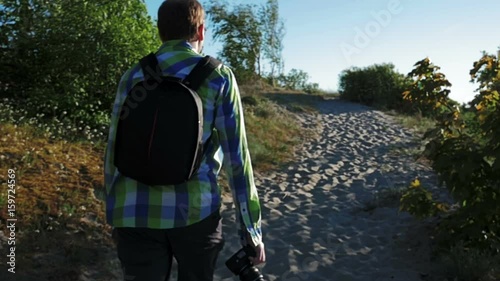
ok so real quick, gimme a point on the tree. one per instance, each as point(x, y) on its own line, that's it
point(240, 33)
point(296, 79)
point(274, 31)
point(251, 36)
point(486, 73)
point(429, 90)
point(69, 55)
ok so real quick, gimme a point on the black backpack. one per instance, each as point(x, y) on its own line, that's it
point(159, 133)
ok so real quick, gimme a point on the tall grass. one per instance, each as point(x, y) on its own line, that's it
point(416, 123)
point(272, 132)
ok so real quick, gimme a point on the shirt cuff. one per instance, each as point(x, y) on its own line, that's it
point(253, 238)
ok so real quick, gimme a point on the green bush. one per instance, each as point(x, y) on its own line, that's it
point(419, 202)
point(312, 88)
point(379, 85)
point(298, 80)
point(55, 127)
point(472, 124)
point(429, 90)
point(68, 56)
point(467, 161)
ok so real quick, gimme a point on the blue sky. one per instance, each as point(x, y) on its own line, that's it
point(324, 37)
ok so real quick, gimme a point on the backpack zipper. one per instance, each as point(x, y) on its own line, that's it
point(152, 135)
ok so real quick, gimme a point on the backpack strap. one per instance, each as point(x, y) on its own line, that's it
point(201, 71)
point(149, 65)
point(194, 80)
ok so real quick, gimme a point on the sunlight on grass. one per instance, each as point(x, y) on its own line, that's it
point(416, 123)
point(55, 204)
point(51, 175)
point(272, 133)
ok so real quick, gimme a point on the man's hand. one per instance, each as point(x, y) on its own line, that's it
point(260, 256)
point(260, 253)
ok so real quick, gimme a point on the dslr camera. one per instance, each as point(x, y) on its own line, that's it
point(240, 265)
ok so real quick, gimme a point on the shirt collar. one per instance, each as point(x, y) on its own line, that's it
point(176, 45)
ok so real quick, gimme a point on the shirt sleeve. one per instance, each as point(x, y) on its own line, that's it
point(109, 167)
point(230, 125)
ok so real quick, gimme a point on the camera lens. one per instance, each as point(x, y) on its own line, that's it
point(251, 273)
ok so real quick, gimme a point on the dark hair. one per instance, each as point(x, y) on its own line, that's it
point(180, 19)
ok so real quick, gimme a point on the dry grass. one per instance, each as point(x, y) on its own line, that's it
point(58, 216)
point(273, 132)
point(296, 101)
point(51, 175)
point(417, 123)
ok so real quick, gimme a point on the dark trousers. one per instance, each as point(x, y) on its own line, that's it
point(146, 254)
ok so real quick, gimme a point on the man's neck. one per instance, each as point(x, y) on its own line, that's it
point(196, 46)
point(182, 44)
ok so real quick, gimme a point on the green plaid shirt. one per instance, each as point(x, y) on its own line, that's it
point(132, 204)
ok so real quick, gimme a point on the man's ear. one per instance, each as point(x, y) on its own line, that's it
point(201, 32)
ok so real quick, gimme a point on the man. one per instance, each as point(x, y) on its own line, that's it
point(153, 224)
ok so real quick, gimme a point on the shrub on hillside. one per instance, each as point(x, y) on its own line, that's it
point(467, 162)
point(379, 85)
point(298, 80)
point(68, 56)
point(429, 90)
point(472, 123)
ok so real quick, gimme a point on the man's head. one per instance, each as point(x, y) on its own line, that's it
point(182, 19)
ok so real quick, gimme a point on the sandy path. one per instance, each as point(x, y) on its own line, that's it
point(321, 216)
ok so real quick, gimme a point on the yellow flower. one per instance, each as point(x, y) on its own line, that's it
point(415, 183)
